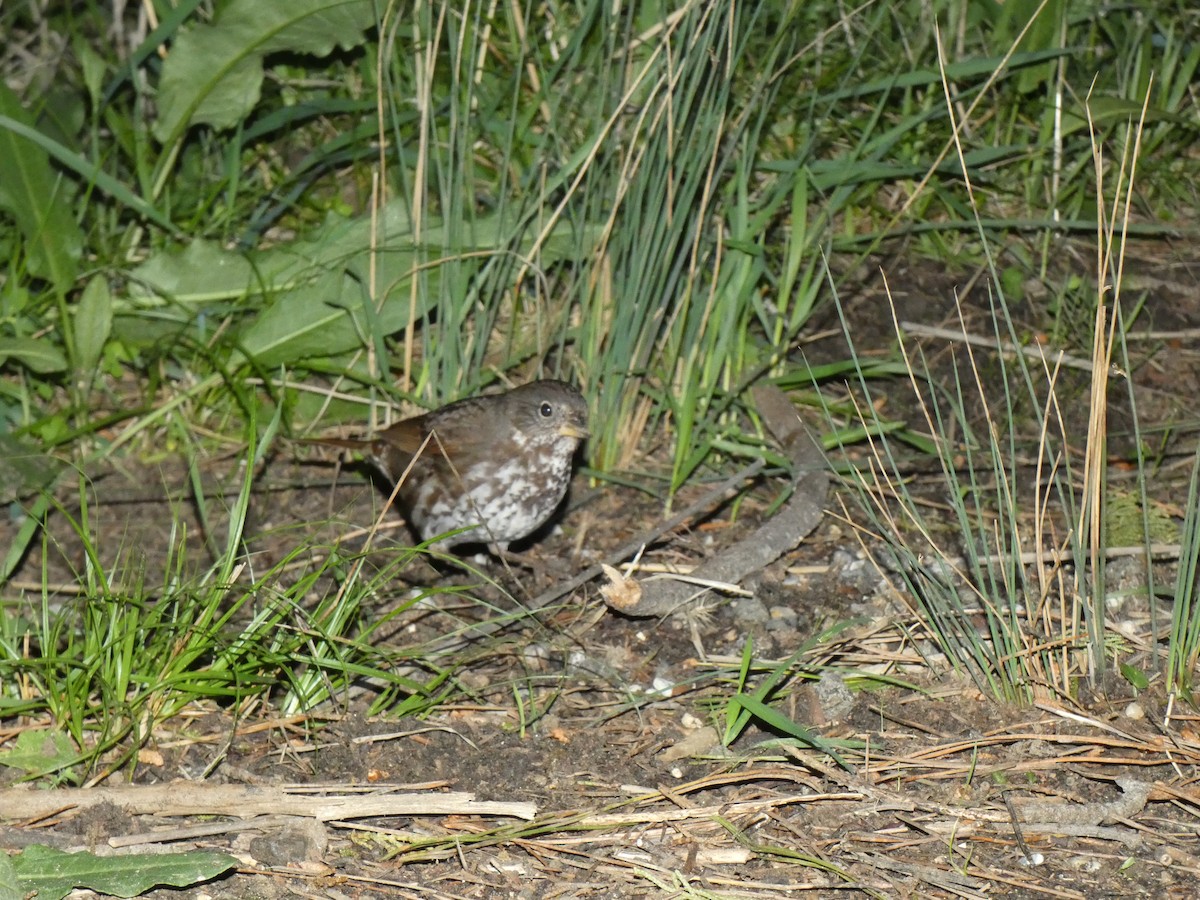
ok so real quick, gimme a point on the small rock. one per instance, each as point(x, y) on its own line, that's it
point(749, 610)
point(833, 695)
point(293, 845)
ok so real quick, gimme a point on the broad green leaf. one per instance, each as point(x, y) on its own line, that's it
point(201, 273)
point(26, 531)
point(34, 194)
point(36, 354)
point(213, 74)
point(316, 320)
point(55, 873)
point(315, 289)
point(39, 750)
point(170, 21)
point(10, 888)
point(329, 317)
point(93, 324)
point(204, 273)
point(92, 66)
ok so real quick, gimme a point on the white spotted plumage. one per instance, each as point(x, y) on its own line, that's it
point(531, 435)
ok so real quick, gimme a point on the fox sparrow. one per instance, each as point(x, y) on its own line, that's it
point(497, 466)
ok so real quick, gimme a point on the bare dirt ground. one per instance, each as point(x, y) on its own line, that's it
point(607, 731)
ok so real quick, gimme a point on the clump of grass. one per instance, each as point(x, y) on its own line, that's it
point(121, 656)
point(1016, 595)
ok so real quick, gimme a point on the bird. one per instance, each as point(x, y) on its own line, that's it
point(490, 469)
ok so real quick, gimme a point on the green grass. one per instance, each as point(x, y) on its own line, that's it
point(231, 226)
point(120, 656)
point(1016, 596)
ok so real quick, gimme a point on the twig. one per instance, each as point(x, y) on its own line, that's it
point(781, 533)
point(1053, 357)
point(195, 798)
point(1016, 827)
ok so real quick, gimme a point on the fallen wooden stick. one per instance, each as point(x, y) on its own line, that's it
point(781, 533)
point(190, 798)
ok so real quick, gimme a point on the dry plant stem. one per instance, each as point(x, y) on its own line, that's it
point(884, 484)
point(1037, 816)
point(1020, 838)
point(786, 529)
point(1037, 352)
point(1063, 554)
point(953, 883)
point(1091, 511)
point(1103, 342)
point(196, 832)
point(185, 798)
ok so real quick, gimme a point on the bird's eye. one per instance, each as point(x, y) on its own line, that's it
point(546, 410)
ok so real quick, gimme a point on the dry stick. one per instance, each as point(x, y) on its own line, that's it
point(1054, 357)
point(1012, 815)
point(775, 537)
point(192, 798)
point(196, 832)
point(716, 495)
point(1181, 335)
point(1051, 555)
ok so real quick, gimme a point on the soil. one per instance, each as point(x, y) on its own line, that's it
point(884, 771)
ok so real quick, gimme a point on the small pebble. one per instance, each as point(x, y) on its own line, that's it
point(662, 686)
point(833, 695)
point(535, 653)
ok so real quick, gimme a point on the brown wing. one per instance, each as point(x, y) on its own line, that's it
point(451, 431)
point(457, 426)
point(404, 437)
point(399, 443)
